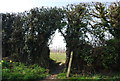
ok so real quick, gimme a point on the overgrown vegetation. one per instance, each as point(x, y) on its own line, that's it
point(91, 31)
point(28, 34)
point(92, 77)
point(16, 71)
point(88, 28)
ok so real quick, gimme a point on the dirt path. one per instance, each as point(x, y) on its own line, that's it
point(55, 72)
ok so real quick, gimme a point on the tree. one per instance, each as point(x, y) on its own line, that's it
point(107, 18)
point(75, 31)
point(28, 34)
point(41, 23)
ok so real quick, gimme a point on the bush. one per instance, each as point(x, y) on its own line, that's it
point(19, 71)
point(111, 54)
point(109, 57)
point(102, 58)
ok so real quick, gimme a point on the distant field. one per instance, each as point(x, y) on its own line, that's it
point(58, 57)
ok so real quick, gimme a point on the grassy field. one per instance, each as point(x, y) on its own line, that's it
point(58, 57)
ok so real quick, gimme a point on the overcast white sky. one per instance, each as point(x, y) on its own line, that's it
point(22, 5)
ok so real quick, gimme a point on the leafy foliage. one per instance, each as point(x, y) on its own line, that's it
point(108, 17)
point(75, 29)
point(91, 32)
point(19, 71)
point(28, 34)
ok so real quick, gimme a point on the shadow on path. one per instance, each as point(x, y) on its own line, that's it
point(55, 70)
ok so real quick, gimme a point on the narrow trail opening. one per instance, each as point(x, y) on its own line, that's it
point(55, 71)
point(57, 56)
point(57, 65)
point(58, 69)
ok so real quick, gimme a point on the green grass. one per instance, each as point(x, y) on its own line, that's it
point(92, 77)
point(58, 57)
point(16, 71)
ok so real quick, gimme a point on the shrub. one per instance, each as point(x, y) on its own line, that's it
point(108, 56)
point(102, 58)
point(111, 54)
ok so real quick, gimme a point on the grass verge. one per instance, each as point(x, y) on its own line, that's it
point(95, 77)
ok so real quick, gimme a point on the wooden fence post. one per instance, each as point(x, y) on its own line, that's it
point(69, 65)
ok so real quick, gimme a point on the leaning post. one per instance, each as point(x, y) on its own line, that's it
point(69, 65)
